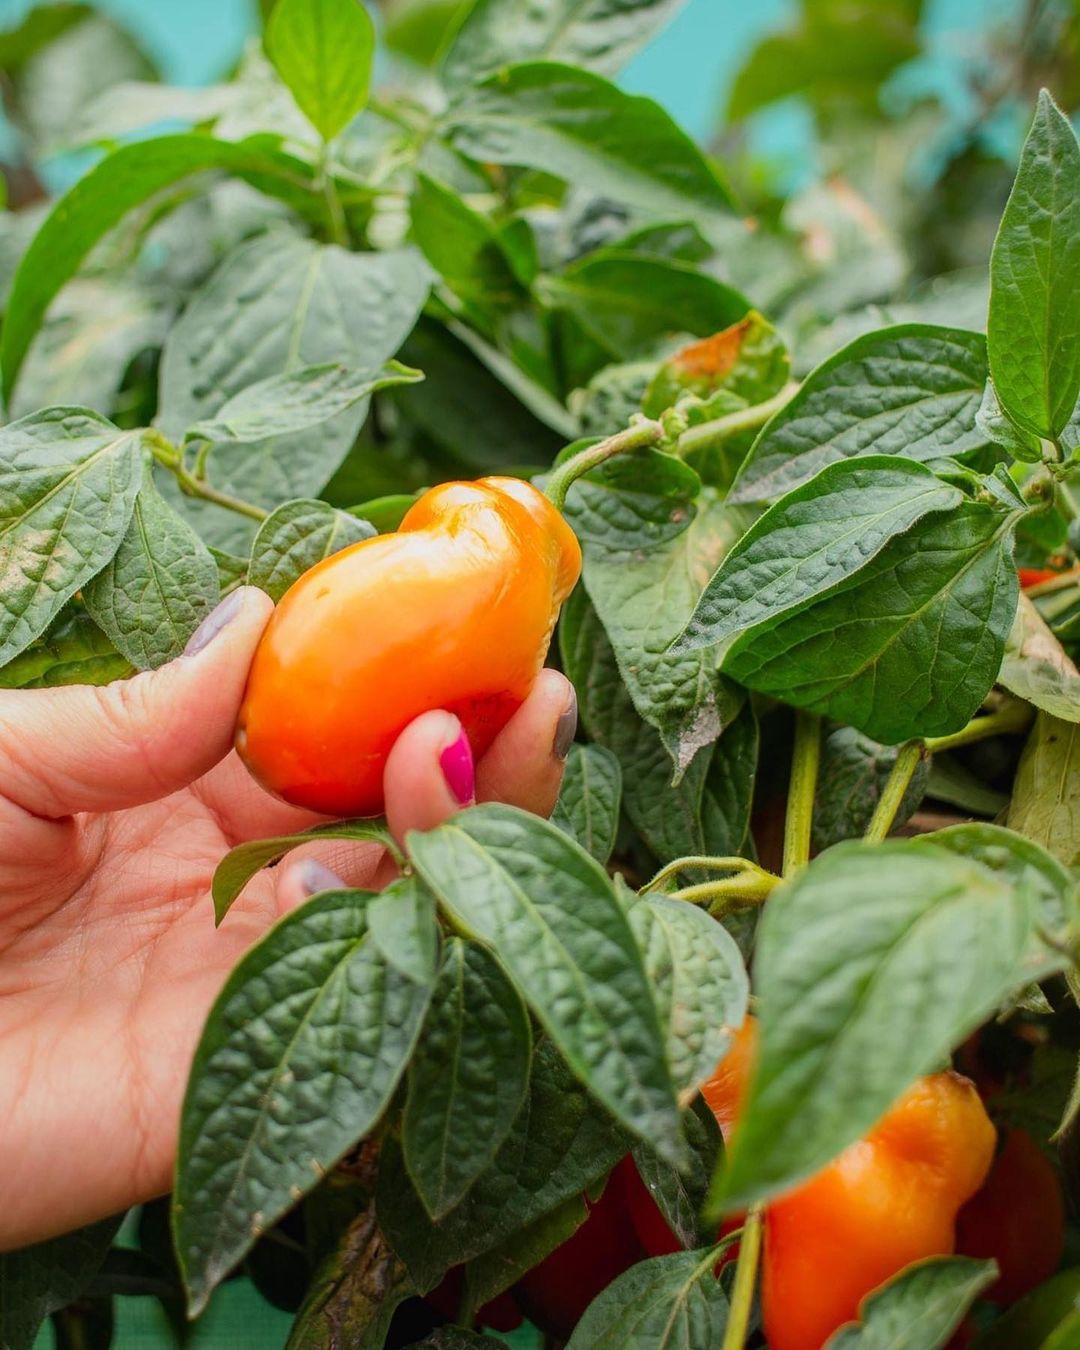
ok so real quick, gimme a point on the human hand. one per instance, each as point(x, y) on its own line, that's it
point(116, 805)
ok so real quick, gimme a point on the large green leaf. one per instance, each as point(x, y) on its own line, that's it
point(1033, 330)
point(297, 535)
point(68, 482)
point(815, 537)
point(274, 306)
point(582, 128)
point(699, 982)
point(285, 404)
point(72, 650)
point(589, 799)
point(160, 585)
point(1045, 805)
point(871, 966)
point(650, 542)
point(913, 390)
point(908, 646)
point(549, 913)
point(920, 1308)
point(463, 246)
point(468, 1078)
point(708, 811)
point(298, 1059)
point(323, 50)
point(560, 1145)
point(597, 34)
point(629, 302)
point(669, 1303)
point(100, 200)
point(38, 1280)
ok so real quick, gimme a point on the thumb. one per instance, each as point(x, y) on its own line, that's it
point(85, 748)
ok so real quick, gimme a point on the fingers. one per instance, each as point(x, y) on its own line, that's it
point(429, 774)
point(97, 749)
point(524, 766)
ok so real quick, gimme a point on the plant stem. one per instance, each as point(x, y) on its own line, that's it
point(639, 436)
point(746, 419)
point(334, 214)
point(742, 1294)
point(170, 458)
point(702, 862)
point(1015, 717)
point(896, 785)
point(729, 892)
point(805, 760)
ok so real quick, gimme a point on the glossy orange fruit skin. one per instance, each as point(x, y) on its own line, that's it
point(455, 610)
point(887, 1200)
point(1017, 1217)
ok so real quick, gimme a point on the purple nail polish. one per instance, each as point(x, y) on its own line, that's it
point(566, 727)
point(214, 622)
point(313, 877)
point(456, 762)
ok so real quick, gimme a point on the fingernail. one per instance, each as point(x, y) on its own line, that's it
point(456, 762)
point(214, 622)
point(566, 727)
point(313, 877)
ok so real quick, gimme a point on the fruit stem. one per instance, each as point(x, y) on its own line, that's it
point(1015, 717)
point(640, 435)
point(746, 419)
point(703, 862)
point(730, 892)
point(907, 760)
point(805, 761)
point(742, 1294)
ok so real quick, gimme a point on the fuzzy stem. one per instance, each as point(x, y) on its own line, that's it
point(746, 419)
point(805, 760)
point(1014, 718)
point(639, 436)
point(742, 1294)
point(896, 785)
point(702, 862)
point(170, 458)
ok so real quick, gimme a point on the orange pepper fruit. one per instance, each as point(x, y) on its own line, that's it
point(455, 610)
point(1017, 1217)
point(1035, 576)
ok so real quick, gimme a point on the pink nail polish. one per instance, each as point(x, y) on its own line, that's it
point(456, 762)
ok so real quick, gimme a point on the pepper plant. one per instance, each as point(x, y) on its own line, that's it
point(828, 760)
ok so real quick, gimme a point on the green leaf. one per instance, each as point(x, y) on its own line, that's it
point(920, 1308)
point(628, 302)
point(404, 927)
point(298, 1059)
point(1045, 804)
point(550, 915)
point(996, 426)
point(297, 535)
point(818, 535)
point(854, 771)
point(583, 129)
point(913, 390)
point(699, 982)
point(468, 1078)
point(323, 50)
point(589, 800)
point(284, 404)
point(68, 481)
point(1033, 330)
point(494, 1271)
point(650, 542)
point(1036, 1316)
point(463, 246)
point(73, 650)
point(126, 178)
point(681, 1195)
point(592, 33)
point(1037, 668)
point(560, 1145)
point(1021, 863)
point(908, 646)
point(160, 585)
point(871, 966)
point(37, 1281)
point(708, 811)
point(834, 52)
point(238, 866)
point(278, 304)
point(669, 1303)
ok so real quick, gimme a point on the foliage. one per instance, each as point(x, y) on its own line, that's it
point(315, 298)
